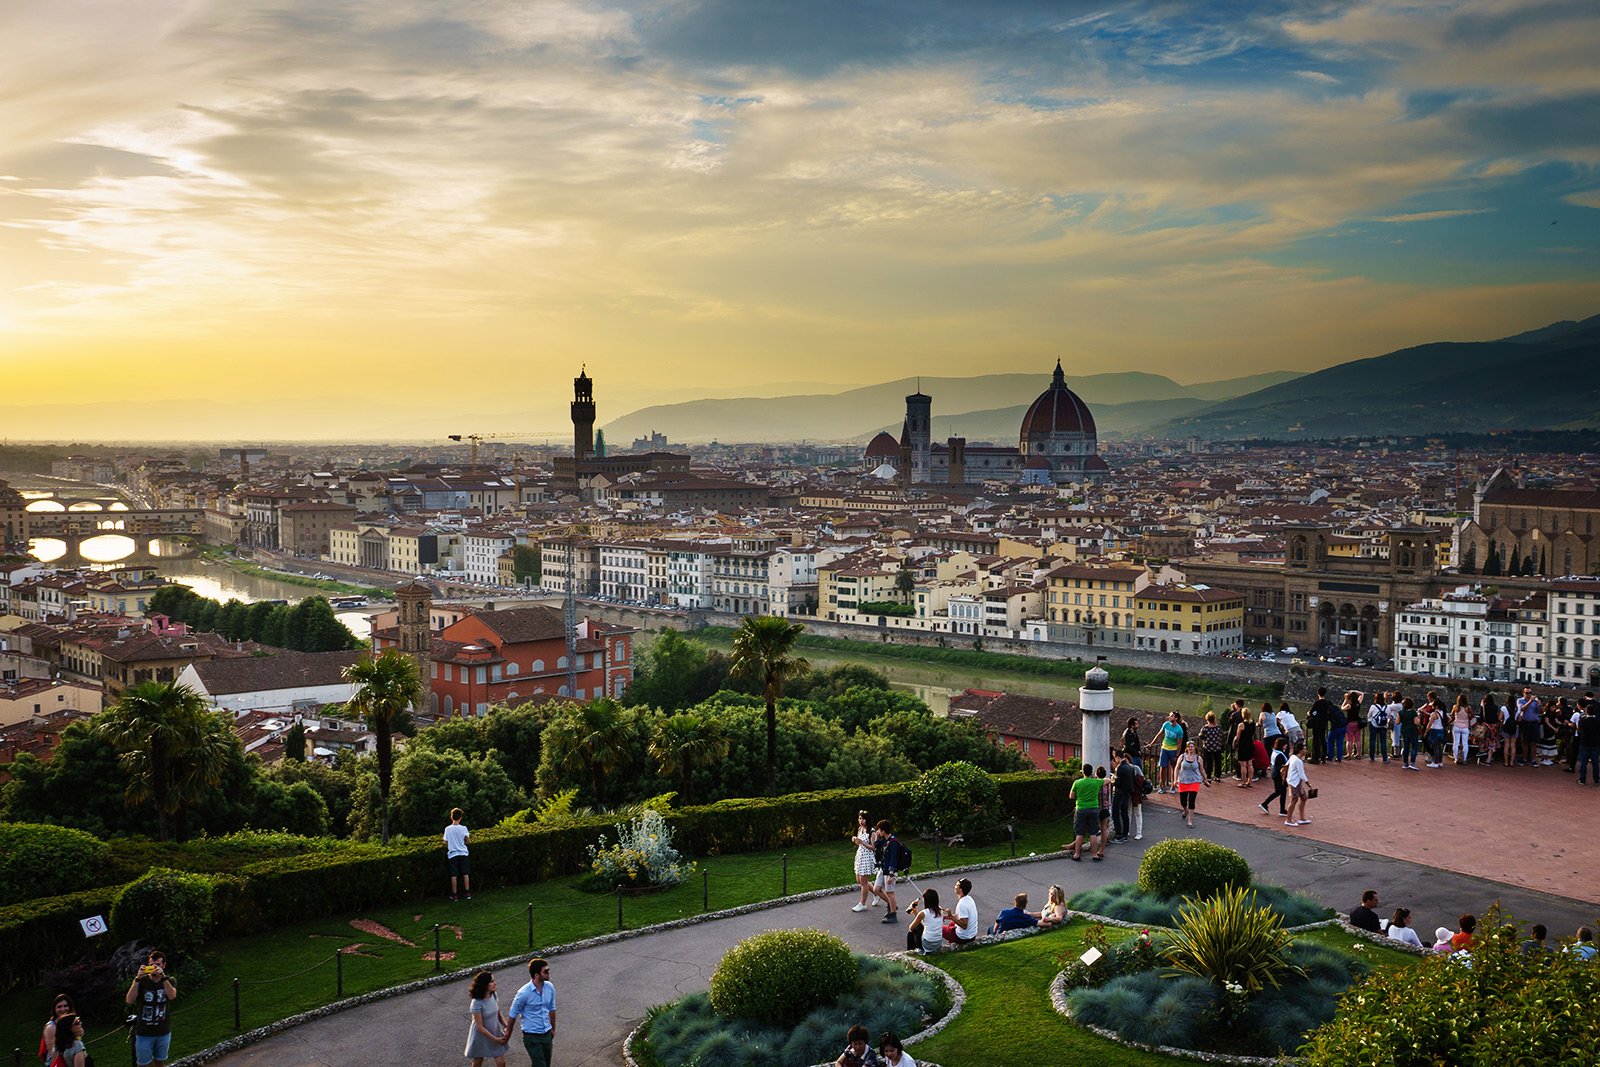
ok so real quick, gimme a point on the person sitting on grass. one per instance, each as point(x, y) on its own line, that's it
point(1055, 908)
point(1400, 928)
point(1016, 917)
point(893, 1052)
point(856, 1049)
point(926, 929)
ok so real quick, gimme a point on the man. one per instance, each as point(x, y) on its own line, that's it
point(1173, 735)
point(1364, 916)
point(1378, 727)
point(1583, 948)
point(1015, 917)
point(855, 1045)
point(1086, 816)
point(1535, 945)
point(1530, 723)
point(1392, 710)
point(151, 995)
point(889, 861)
point(535, 1007)
point(456, 837)
point(1318, 718)
point(1124, 781)
point(961, 925)
point(1588, 742)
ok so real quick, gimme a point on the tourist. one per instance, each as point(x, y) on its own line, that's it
point(1267, 729)
point(1530, 717)
point(1441, 940)
point(456, 837)
point(534, 1007)
point(1400, 928)
point(1173, 734)
point(1488, 726)
point(1299, 787)
point(1362, 916)
point(1508, 734)
point(1211, 742)
point(1408, 735)
point(151, 996)
point(68, 1051)
point(1356, 721)
point(1016, 917)
point(1124, 786)
point(1130, 740)
point(855, 1045)
point(1463, 937)
point(62, 1005)
point(1460, 730)
point(1588, 741)
point(1338, 722)
point(1141, 790)
point(1105, 806)
point(1190, 775)
point(487, 1025)
point(1583, 947)
point(1378, 728)
point(1244, 751)
point(926, 929)
point(893, 1052)
point(1054, 912)
point(1317, 718)
point(889, 854)
point(961, 925)
point(1086, 816)
point(866, 864)
point(1432, 715)
point(1289, 724)
point(1535, 944)
point(1280, 782)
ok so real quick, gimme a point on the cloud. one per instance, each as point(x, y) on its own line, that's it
point(1317, 76)
point(1432, 216)
point(1587, 198)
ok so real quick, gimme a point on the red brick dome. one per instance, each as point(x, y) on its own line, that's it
point(883, 446)
point(1057, 411)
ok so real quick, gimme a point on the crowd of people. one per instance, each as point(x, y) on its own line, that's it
point(1397, 927)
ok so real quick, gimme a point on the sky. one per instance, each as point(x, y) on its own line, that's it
point(290, 212)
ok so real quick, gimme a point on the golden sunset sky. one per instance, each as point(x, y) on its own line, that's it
point(289, 208)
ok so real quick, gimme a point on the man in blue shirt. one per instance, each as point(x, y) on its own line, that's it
point(1015, 918)
point(535, 1006)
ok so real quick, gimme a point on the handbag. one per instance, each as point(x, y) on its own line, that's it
point(1311, 794)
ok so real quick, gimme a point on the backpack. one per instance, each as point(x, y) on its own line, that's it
point(897, 856)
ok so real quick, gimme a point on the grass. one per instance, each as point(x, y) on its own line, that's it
point(292, 969)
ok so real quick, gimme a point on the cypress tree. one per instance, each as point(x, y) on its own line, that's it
point(1491, 565)
point(1469, 561)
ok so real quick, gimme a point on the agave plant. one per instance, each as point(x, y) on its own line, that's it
point(1231, 940)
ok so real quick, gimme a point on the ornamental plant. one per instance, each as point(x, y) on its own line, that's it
point(1190, 867)
point(1231, 940)
point(779, 976)
point(642, 856)
point(957, 798)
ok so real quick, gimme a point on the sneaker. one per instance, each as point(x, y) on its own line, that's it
point(1547, 763)
point(1138, 837)
point(887, 918)
point(469, 896)
point(454, 897)
point(859, 907)
point(1263, 808)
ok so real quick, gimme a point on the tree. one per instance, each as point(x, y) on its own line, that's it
point(525, 563)
point(1491, 563)
point(1515, 566)
point(154, 727)
point(386, 689)
point(600, 444)
point(761, 651)
point(1469, 560)
point(905, 583)
point(294, 743)
point(682, 742)
point(427, 784)
point(591, 737)
point(256, 620)
point(669, 675)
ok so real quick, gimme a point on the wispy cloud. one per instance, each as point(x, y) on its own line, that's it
point(1433, 216)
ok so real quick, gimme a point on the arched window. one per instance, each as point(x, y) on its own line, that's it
point(562, 691)
point(561, 663)
point(449, 705)
point(538, 666)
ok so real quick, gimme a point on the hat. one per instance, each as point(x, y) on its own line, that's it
point(1442, 934)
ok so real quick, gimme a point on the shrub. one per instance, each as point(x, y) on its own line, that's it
point(1189, 867)
point(1125, 901)
point(642, 856)
point(778, 976)
point(165, 908)
point(1231, 940)
point(38, 860)
point(957, 798)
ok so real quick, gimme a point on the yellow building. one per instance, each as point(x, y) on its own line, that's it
point(1192, 620)
point(1092, 602)
point(849, 583)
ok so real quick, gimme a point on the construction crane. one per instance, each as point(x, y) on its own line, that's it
point(474, 438)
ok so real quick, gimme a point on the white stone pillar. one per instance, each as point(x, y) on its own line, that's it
point(1095, 700)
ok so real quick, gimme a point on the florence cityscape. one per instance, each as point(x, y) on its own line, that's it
point(640, 498)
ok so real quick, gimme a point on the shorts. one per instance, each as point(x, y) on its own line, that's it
point(1302, 791)
point(1529, 732)
point(885, 880)
point(1169, 757)
point(150, 1047)
point(459, 867)
point(1086, 823)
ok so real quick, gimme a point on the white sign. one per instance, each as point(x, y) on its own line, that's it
point(1089, 957)
point(93, 926)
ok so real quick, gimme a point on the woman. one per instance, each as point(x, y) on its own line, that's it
point(1190, 775)
point(866, 861)
point(893, 1053)
point(1408, 734)
point(1299, 786)
point(1130, 740)
point(69, 1051)
point(1357, 720)
point(1054, 912)
point(1140, 787)
point(1433, 720)
point(1244, 750)
point(926, 929)
point(1400, 928)
point(1338, 722)
point(1280, 783)
point(1460, 731)
point(1211, 740)
point(1267, 728)
point(1290, 725)
point(62, 1005)
point(488, 1026)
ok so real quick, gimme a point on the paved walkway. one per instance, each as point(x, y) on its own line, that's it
point(604, 991)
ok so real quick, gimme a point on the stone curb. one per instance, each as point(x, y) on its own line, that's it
point(250, 1037)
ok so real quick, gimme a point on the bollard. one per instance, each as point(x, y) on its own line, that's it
point(705, 890)
point(785, 874)
point(437, 962)
point(16, 1057)
point(619, 907)
point(236, 1004)
point(1013, 828)
point(338, 974)
point(530, 924)
point(938, 864)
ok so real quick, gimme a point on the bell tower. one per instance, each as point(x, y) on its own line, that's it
point(415, 604)
point(582, 415)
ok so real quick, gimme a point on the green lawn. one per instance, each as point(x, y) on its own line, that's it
point(292, 969)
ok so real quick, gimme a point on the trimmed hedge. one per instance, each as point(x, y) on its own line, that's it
point(779, 976)
point(1191, 867)
point(38, 860)
point(43, 935)
point(165, 908)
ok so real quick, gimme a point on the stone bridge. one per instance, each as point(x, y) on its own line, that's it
point(141, 526)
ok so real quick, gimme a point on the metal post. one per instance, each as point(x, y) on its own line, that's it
point(1013, 828)
point(530, 924)
point(236, 1004)
point(705, 890)
point(938, 864)
point(437, 962)
point(338, 971)
point(619, 907)
point(785, 874)
point(16, 1057)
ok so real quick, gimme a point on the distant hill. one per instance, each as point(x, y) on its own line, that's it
point(1543, 379)
point(986, 407)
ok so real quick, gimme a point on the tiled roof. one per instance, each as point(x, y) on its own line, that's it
point(286, 670)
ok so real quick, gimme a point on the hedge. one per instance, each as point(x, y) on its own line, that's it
point(257, 894)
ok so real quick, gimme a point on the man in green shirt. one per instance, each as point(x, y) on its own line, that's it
point(1086, 817)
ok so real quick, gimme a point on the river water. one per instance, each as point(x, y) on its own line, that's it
point(221, 582)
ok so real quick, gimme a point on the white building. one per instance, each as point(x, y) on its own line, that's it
point(740, 580)
point(690, 567)
point(1575, 631)
point(480, 554)
point(966, 614)
point(1462, 635)
point(282, 683)
point(1533, 637)
point(625, 570)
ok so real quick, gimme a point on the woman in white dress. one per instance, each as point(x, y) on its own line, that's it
point(866, 861)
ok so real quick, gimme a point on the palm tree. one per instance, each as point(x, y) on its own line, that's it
point(386, 688)
point(590, 735)
point(680, 743)
point(155, 726)
point(761, 652)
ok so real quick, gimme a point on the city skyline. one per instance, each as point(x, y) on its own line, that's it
point(422, 204)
